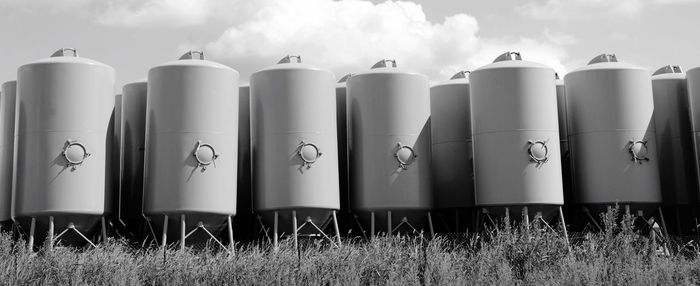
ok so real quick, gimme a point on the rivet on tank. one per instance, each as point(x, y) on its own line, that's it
point(389, 143)
point(613, 141)
point(7, 140)
point(295, 149)
point(132, 147)
point(515, 129)
point(191, 150)
point(452, 157)
point(64, 105)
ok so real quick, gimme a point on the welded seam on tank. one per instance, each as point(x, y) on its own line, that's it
point(612, 131)
point(453, 141)
point(515, 130)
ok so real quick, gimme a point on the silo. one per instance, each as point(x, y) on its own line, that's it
point(564, 141)
point(191, 147)
point(612, 136)
point(517, 161)
point(674, 141)
point(451, 149)
point(389, 142)
point(64, 104)
point(7, 140)
point(345, 220)
point(295, 151)
point(245, 221)
point(133, 145)
point(114, 163)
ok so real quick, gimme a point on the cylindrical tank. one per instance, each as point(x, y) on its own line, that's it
point(693, 90)
point(674, 141)
point(191, 143)
point(245, 220)
point(515, 129)
point(389, 142)
point(7, 140)
point(113, 160)
point(611, 134)
point(64, 104)
point(133, 131)
point(341, 122)
point(293, 137)
point(564, 140)
point(451, 149)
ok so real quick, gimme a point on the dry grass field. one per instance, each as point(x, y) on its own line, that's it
point(620, 255)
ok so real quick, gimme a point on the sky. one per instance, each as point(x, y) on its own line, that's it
point(434, 37)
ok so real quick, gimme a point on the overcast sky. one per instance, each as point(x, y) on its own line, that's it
point(435, 37)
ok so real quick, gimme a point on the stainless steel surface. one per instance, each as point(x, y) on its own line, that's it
point(515, 131)
point(451, 143)
point(133, 130)
point(611, 133)
point(7, 140)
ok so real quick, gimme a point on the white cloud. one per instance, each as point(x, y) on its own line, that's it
point(587, 9)
point(350, 35)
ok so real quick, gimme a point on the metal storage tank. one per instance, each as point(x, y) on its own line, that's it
point(564, 141)
point(389, 142)
point(295, 151)
point(517, 161)
point(133, 137)
point(64, 104)
point(451, 149)
point(345, 220)
point(245, 221)
point(7, 140)
point(674, 141)
point(612, 135)
point(114, 162)
point(191, 147)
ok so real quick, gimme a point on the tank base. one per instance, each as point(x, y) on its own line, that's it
point(314, 222)
point(197, 229)
point(548, 216)
point(682, 220)
point(390, 222)
point(62, 229)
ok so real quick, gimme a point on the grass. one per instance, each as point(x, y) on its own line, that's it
point(505, 256)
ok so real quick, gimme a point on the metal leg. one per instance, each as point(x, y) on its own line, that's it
point(430, 224)
point(183, 225)
point(164, 237)
point(337, 229)
point(388, 220)
point(231, 243)
point(371, 223)
point(32, 228)
point(275, 246)
point(49, 241)
point(526, 218)
point(563, 228)
point(295, 230)
point(104, 229)
point(588, 213)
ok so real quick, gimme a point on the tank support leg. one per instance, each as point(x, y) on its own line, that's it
point(371, 225)
point(231, 244)
point(526, 218)
point(183, 224)
point(104, 229)
point(388, 221)
point(588, 213)
point(665, 229)
point(32, 228)
point(49, 240)
point(295, 230)
point(337, 229)
point(507, 218)
point(275, 246)
point(164, 237)
point(430, 224)
point(563, 228)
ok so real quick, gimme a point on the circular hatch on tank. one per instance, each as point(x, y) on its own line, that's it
point(538, 151)
point(405, 155)
point(205, 154)
point(75, 153)
point(639, 150)
point(309, 153)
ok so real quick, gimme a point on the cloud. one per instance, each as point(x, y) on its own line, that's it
point(349, 36)
point(587, 9)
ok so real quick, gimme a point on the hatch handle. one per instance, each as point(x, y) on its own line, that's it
point(193, 55)
point(461, 74)
point(538, 151)
point(638, 150)
point(205, 154)
point(75, 153)
point(309, 153)
point(602, 58)
point(509, 56)
point(668, 69)
point(384, 63)
point(405, 155)
point(288, 59)
point(65, 52)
